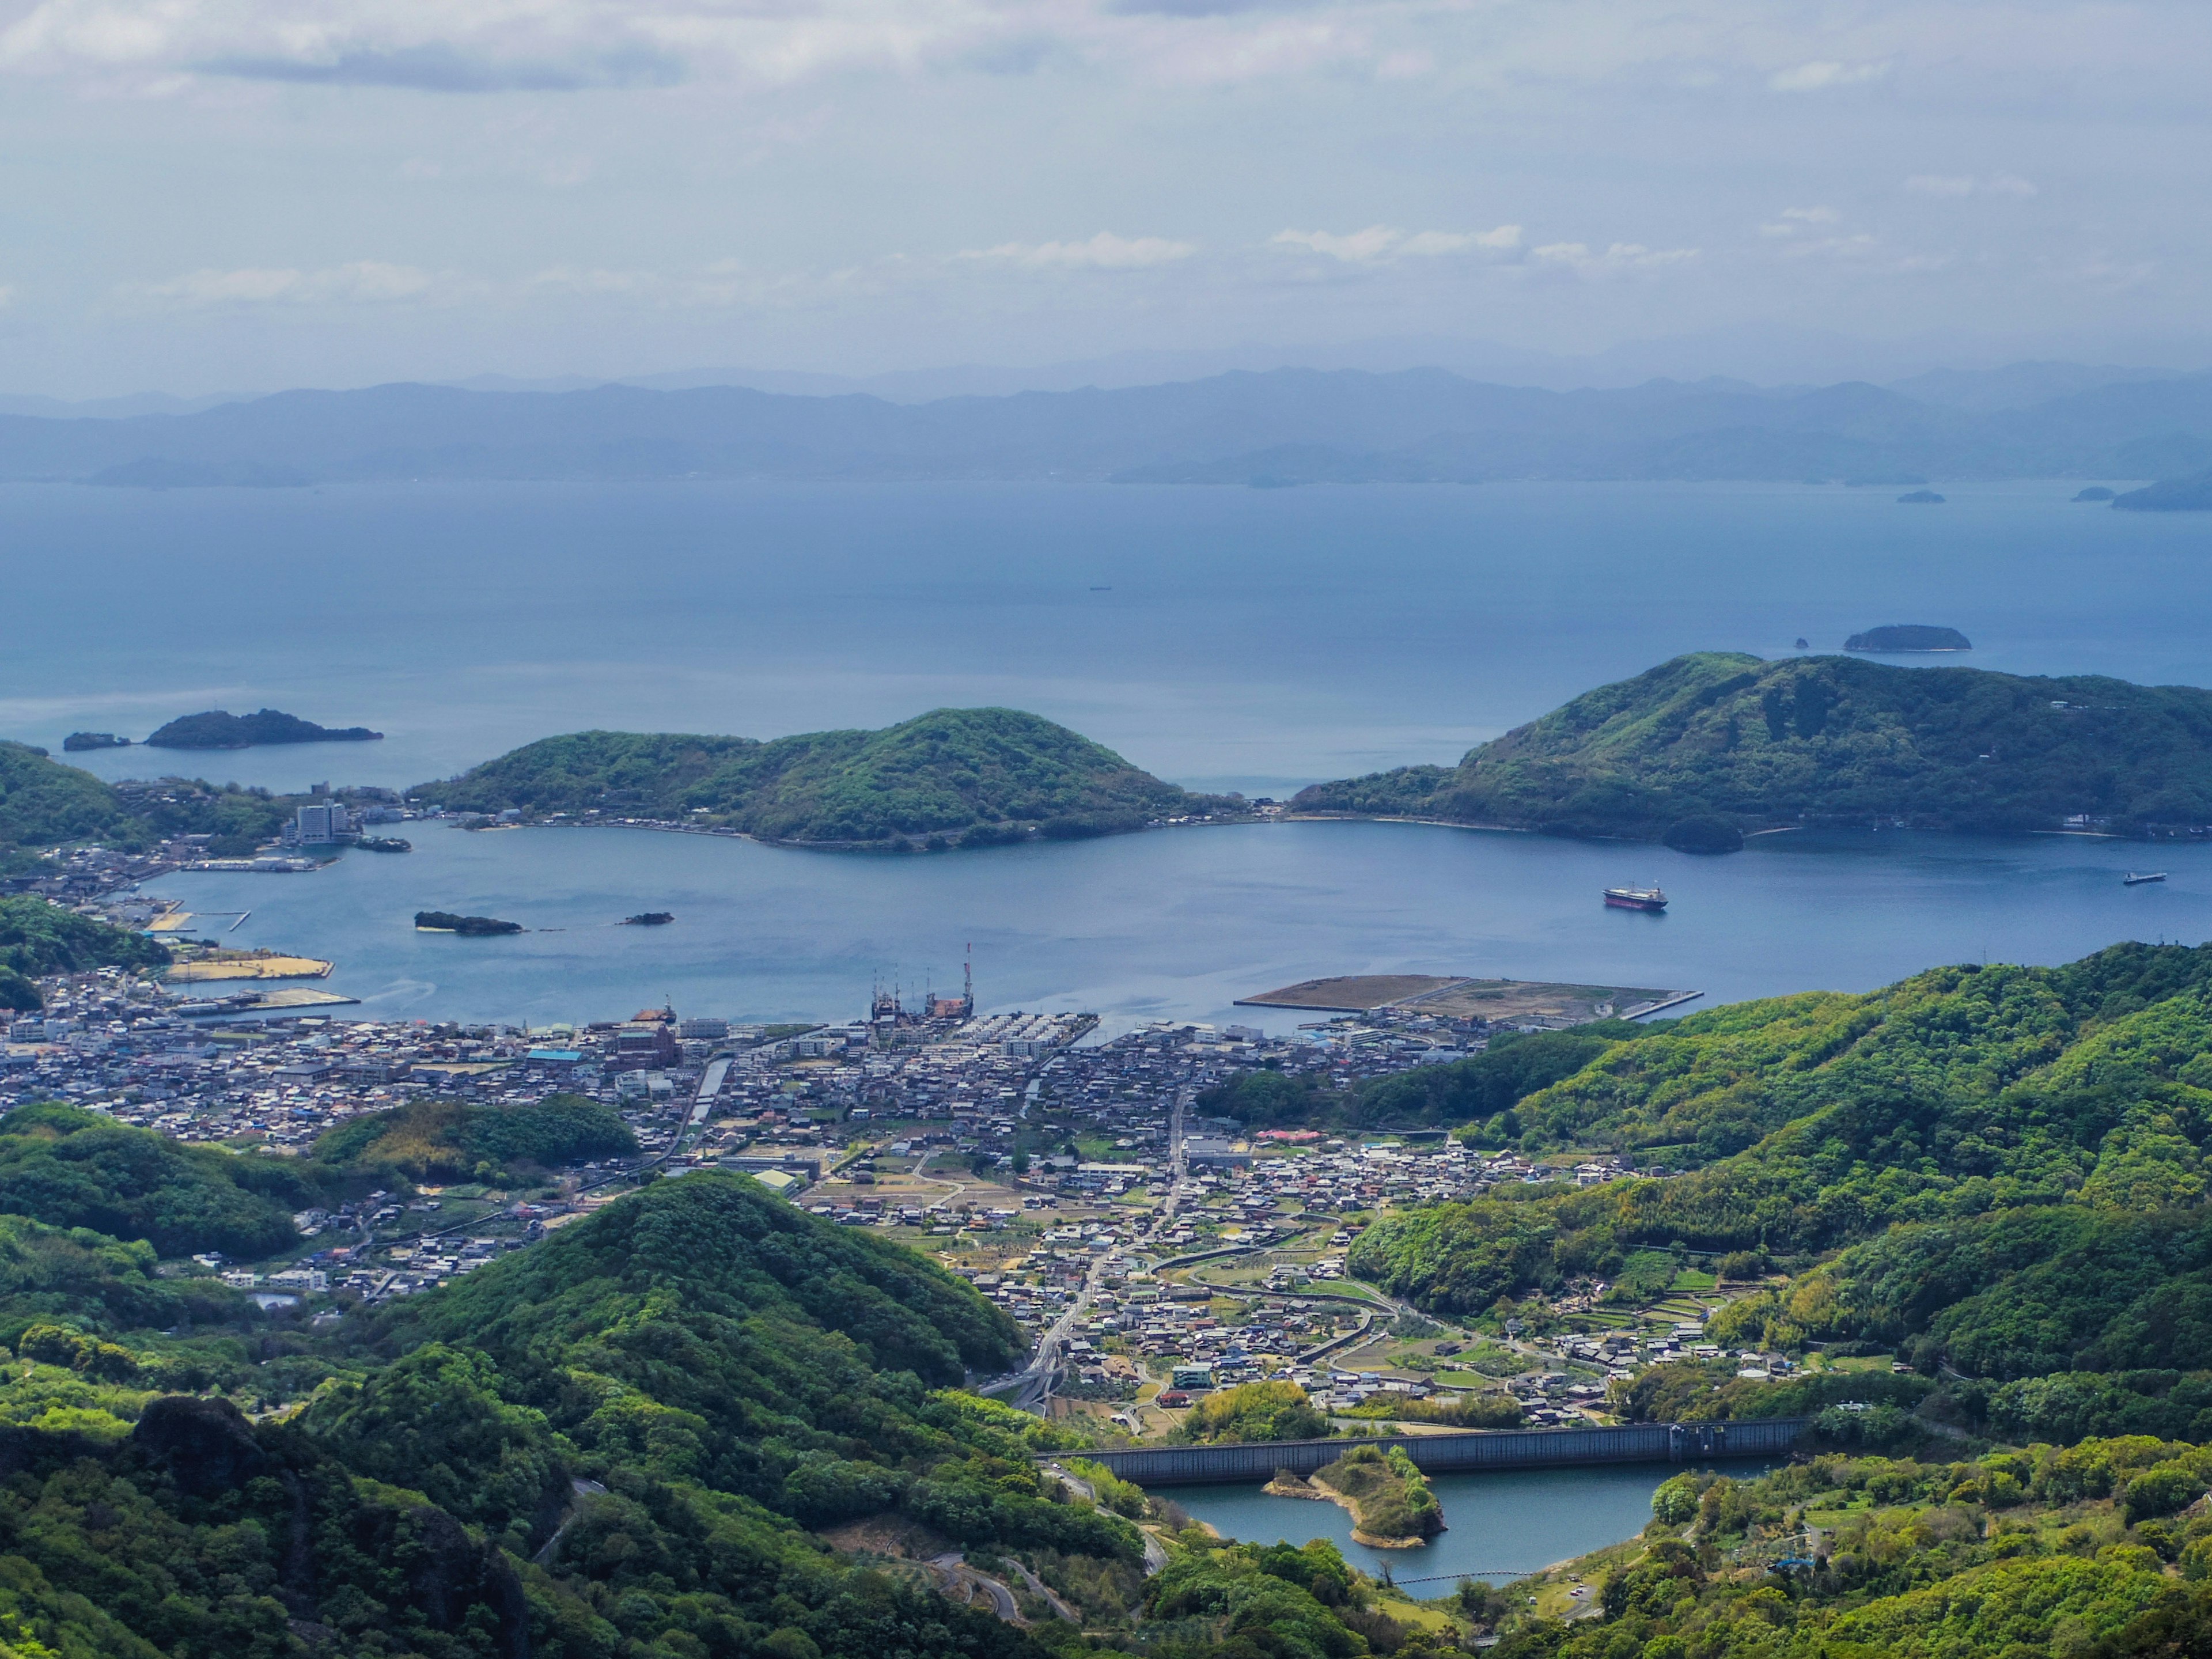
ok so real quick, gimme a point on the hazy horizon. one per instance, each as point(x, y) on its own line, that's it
point(243, 196)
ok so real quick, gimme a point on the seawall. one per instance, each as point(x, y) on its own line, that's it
point(1456, 1454)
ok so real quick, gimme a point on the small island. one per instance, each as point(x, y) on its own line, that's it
point(1909, 636)
point(1920, 498)
point(220, 729)
point(1392, 1506)
point(2096, 493)
point(77, 742)
point(445, 921)
point(384, 844)
point(648, 918)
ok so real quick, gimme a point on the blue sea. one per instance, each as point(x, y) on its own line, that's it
point(1222, 638)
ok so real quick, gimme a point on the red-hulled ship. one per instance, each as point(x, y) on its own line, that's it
point(1635, 898)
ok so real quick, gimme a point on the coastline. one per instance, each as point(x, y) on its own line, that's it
point(1316, 1489)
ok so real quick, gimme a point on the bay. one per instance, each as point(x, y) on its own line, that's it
point(1175, 923)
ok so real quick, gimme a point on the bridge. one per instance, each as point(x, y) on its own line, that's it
point(1459, 1454)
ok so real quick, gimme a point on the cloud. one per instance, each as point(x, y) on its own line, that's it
point(1379, 243)
point(438, 66)
point(366, 281)
point(1104, 251)
point(6, 296)
point(1794, 220)
point(1813, 77)
point(1945, 184)
point(1620, 256)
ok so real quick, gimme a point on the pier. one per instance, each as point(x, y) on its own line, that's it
point(1459, 1454)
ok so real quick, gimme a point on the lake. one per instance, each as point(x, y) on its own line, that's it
point(1497, 1524)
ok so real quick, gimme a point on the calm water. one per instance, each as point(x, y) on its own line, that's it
point(1224, 638)
point(1176, 923)
point(1497, 1524)
point(1258, 639)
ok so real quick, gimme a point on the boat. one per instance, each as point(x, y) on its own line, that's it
point(2132, 879)
point(1635, 898)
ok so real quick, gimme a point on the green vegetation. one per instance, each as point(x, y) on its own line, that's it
point(1472, 1411)
point(1254, 1411)
point(2068, 1552)
point(972, 775)
point(446, 922)
point(1389, 1496)
point(1514, 1065)
point(74, 1169)
point(1997, 1170)
point(220, 729)
point(1720, 738)
point(45, 804)
point(37, 939)
point(1271, 1602)
point(449, 1140)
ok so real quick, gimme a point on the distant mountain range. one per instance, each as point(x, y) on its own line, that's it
point(1284, 427)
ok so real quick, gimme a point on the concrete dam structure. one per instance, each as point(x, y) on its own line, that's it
point(1459, 1454)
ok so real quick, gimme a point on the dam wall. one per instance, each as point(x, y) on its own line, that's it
point(1458, 1454)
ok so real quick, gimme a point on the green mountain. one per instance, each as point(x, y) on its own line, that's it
point(1723, 741)
point(451, 1140)
point(974, 775)
point(2000, 1170)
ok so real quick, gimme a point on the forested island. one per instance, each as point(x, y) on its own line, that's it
point(1723, 742)
point(220, 729)
point(1391, 1503)
point(78, 743)
point(1909, 636)
point(953, 777)
point(446, 922)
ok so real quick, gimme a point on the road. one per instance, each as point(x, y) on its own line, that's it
point(959, 1575)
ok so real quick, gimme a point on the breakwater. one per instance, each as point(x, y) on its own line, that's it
point(1456, 1454)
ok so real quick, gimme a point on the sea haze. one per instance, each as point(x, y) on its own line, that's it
point(1221, 638)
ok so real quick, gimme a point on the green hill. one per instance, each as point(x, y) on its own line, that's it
point(1806, 739)
point(37, 939)
point(44, 803)
point(977, 775)
point(450, 1140)
point(2001, 1170)
point(69, 1167)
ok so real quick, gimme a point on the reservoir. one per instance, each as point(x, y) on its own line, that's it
point(1512, 1521)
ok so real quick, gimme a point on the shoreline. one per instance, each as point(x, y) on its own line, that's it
point(1319, 1491)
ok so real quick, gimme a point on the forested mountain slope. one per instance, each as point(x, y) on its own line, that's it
point(984, 773)
point(1723, 737)
point(2008, 1165)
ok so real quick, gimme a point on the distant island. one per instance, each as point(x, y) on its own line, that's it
point(955, 777)
point(1909, 636)
point(445, 921)
point(220, 729)
point(2096, 493)
point(77, 742)
point(648, 918)
point(1920, 498)
point(1719, 740)
point(2190, 495)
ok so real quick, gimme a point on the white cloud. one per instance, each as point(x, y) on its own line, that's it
point(1378, 243)
point(1104, 251)
point(1812, 77)
point(6, 296)
point(1620, 256)
point(365, 282)
point(1794, 220)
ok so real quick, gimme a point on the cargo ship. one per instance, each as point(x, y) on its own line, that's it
point(2132, 879)
point(1635, 898)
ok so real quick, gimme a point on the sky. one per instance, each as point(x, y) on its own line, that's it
point(239, 195)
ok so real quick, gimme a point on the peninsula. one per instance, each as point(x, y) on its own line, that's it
point(963, 777)
point(220, 729)
point(1392, 1506)
point(1722, 740)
